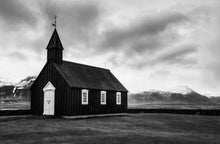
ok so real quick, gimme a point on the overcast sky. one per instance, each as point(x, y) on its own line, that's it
point(147, 44)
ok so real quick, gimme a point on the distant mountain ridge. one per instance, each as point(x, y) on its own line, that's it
point(178, 95)
point(25, 83)
point(17, 91)
point(184, 95)
point(215, 99)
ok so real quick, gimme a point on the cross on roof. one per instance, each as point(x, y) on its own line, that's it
point(55, 21)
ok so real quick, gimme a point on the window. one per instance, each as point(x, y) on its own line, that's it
point(85, 96)
point(118, 98)
point(103, 97)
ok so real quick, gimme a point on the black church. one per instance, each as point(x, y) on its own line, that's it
point(69, 88)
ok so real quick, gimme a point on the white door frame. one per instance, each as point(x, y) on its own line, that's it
point(49, 99)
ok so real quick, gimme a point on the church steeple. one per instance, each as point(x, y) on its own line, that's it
point(55, 48)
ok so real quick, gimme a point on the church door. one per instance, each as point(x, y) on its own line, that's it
point(49, 100)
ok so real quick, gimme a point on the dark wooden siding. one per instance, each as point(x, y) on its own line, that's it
point(94, 105)
point(54, 55)
point(62, 91)
point(68, 100)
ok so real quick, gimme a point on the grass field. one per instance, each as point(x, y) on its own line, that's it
point(21, 105)
point(131, 129)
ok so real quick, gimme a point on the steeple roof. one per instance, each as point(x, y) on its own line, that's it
point(55, 41)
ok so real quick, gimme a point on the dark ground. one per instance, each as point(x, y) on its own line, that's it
point(131, 129)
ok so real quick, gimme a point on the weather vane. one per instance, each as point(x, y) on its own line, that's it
point(55, 21)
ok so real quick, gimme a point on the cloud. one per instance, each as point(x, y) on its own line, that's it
point(17, 56)
point(76, 19)
point(149, 41)
point(143, 34)
point(178, 55)
point(77, 23)
point(183, 55)
point(14, 14)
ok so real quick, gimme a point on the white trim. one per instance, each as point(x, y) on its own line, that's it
point(118, 98)
point(103, 97)
point(49, 86)
point(49, 99)
point(86, 92)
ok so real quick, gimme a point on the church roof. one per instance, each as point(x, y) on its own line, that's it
point(55, 41)
point(84, 76)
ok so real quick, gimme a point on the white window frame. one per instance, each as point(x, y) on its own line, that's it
point(87, 97)
point(103, 93)
point(118, 98)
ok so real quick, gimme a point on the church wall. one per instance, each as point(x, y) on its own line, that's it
point(94, 105)
point(62, 91)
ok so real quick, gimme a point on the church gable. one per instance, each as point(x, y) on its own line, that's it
point(48, 73)
point(49, 86)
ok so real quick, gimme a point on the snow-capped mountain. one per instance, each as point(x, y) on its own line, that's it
point(177, 95)
point(16, 91)
point(25, 83)
point(215, 99)
point(180, 95)
point(183, 89)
